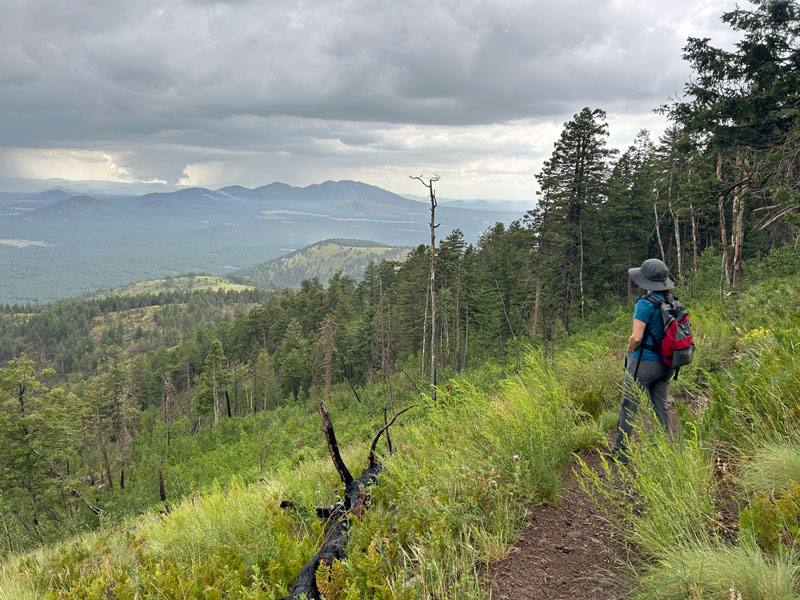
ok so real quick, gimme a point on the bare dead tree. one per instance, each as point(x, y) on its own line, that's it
point(658, 226)
point(124, 438)
point(381, 349)
point(425, 325)
point(725, 276)
point(430, 181)
point(323, 353)
point(8, 533)
point(168, 392)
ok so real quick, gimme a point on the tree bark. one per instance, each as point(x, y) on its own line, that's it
point(725, 276)
point(161, 492)
point(433, 295)
point(235, 391)
point(255, 387)
point(189, 391)
point(446, 360)
point(457, 321)
point(466, 335)
point(8, 533)
point(86, 454)
point(537, 298)
point(737, 232)
point(216, 394)
point(101, 441)
point(658, 227)
point(676, 226)
point(433, 225)
point(580, 274)
point(425, 325)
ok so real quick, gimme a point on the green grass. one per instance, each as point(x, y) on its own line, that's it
point(772, 467)
point(181, 283)
point(721, 573)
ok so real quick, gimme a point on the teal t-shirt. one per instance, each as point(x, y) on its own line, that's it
point(649, 313)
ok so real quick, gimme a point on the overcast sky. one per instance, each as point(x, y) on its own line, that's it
point(198, 92)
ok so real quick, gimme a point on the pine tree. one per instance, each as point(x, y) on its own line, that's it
point(573, 185)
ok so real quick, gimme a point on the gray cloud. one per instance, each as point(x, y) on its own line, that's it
point(165, 85)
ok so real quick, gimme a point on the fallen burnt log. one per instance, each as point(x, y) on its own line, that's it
point(353, 502)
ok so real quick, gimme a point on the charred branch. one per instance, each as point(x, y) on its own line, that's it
point(354, 502)
point(333, 445)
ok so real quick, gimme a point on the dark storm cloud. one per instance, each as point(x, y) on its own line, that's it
point(164, 77)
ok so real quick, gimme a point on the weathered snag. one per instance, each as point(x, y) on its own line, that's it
point(353, 502)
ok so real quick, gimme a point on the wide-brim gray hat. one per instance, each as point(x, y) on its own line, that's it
point(653, 275)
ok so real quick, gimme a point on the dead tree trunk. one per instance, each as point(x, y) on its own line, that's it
point(354, 502)
point(161, 493)
point(658, 227)
point(694, 238)
point(425, 325)
point(457, 321)
point(101, 444)
point(8, 534)
point(434, 225)
point(676, 226)
point(466, 336)
point(323, 354)
point(725, 277)
point(535, 324)
point(737, 229)
point(189, 391)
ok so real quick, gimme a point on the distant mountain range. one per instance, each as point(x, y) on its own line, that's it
point(66, 243)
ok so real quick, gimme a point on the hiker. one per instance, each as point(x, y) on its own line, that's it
point(643, 363)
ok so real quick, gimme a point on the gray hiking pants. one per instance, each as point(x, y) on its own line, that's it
point(653, 376)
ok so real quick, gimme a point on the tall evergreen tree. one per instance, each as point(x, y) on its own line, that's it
point(572, 187)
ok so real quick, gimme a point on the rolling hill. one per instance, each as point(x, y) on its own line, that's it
point(321, 260)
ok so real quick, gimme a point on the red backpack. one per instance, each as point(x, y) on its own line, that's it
point(677, 346)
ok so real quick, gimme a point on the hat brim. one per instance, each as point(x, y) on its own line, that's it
point(649, 284)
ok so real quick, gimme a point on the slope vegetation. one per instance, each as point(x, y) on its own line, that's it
point(711, 510)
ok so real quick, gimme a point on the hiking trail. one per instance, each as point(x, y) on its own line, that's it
point(568, 551)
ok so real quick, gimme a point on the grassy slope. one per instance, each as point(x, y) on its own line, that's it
point(454, 495)
point(181, 283)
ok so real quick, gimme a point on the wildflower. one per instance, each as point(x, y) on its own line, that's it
point(515, 457)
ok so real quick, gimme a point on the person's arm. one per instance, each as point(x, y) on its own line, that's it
point(636, 335)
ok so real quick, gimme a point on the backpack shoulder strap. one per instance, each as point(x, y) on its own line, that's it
point(654, 299)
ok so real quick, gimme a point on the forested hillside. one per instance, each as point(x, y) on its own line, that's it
point(321, 261)
point(110, 407)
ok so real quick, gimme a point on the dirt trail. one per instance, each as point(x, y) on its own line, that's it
point(567, 551)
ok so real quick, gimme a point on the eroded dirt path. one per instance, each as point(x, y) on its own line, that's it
point(567, 551)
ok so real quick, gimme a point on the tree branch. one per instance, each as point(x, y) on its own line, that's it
point(372, 460)
point(333, 446)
